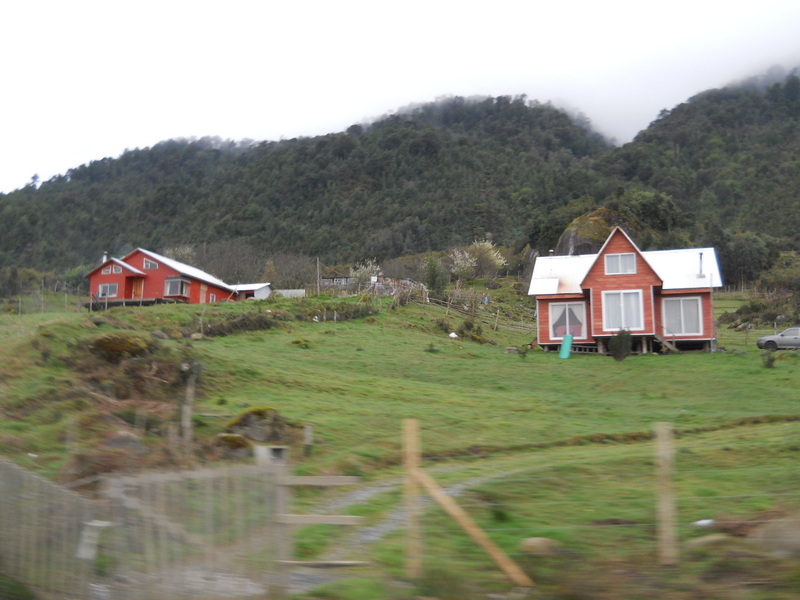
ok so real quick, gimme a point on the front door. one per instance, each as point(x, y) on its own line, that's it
point(138, 289)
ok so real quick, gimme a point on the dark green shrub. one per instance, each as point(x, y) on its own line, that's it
point(620, 344)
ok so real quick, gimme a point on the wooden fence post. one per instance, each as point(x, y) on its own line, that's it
point(186, 409)
point(308, 439)
point(283, 533)
point(665, 507)
point(411, 459)
point(420, 477)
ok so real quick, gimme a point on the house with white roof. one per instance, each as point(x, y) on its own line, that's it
point(144, 277)
point(664, 298)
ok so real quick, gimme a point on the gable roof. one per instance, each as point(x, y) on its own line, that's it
point(116, 261)
point(125, 265)
point(183, 269)
point(688, 268)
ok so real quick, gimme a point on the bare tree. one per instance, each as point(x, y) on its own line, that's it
point(288, 270)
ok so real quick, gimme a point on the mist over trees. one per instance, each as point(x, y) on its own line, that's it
point(439, 176)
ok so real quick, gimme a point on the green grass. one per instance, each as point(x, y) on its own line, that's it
point(545, 437)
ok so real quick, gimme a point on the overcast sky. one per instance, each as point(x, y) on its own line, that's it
point(83, 80)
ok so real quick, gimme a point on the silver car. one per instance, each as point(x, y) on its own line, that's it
point(786, 339)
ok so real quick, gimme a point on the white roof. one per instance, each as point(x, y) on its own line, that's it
point(677, 269)
point(560, 274)
point(688, 268)
point(249, 287)
point(185, 269)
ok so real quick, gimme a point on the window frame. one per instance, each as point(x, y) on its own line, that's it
point(106, 270)
point(108, 287)
point(183, 285)
point(212, 298)
point(620, 268)
point(150, 265)
point(620, 303)
point(668, 331)
point(567, 307)
point(116, 269)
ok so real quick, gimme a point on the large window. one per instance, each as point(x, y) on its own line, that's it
point(176, 287)
point(568, 318)
point(107, 290)
point(682, 316)
point(622, 310)
point(621, 264)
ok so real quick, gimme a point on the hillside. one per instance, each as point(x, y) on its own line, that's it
point(537, 445)
point(721, 165)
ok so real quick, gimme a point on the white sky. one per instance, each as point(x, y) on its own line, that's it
point(86, 79)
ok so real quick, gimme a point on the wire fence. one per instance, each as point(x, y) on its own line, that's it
point(40, 530)
point(211, 533)
point(736, 497)
point(207, 534)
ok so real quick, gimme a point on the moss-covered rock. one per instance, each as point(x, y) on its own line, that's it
point(264, 424)
point(115, 346)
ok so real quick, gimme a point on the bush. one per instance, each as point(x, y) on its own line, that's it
point(620, 345)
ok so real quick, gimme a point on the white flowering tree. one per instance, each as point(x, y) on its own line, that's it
point(488, 260)
point(462, 263)
point(364, 271)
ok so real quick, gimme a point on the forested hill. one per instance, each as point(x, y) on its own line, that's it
point(444, 174)
point(441, 175)
point(730, 156)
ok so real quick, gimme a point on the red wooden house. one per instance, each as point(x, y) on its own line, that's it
point(663, 298)
point(144, 277)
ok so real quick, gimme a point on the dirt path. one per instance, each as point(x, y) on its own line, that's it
point(354, 546)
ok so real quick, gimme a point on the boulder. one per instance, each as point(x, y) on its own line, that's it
point(540, 546)
point(587, 233)
point(780, 537)
point(711, 540)
point(264, 425)
point(125, 440)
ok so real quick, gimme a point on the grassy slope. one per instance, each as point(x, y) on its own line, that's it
point(356, 381)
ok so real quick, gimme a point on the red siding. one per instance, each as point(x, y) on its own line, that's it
point(645, 280)
point(707, 312)
point(543, 333)
point(97, 278)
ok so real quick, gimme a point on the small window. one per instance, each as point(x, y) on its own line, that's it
point(107, 290)
point(212, 298)
point(116, 269)
point(106, 270)
point(621, 264)
point(149, 264)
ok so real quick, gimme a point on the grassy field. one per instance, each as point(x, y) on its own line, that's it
point(545, 446)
